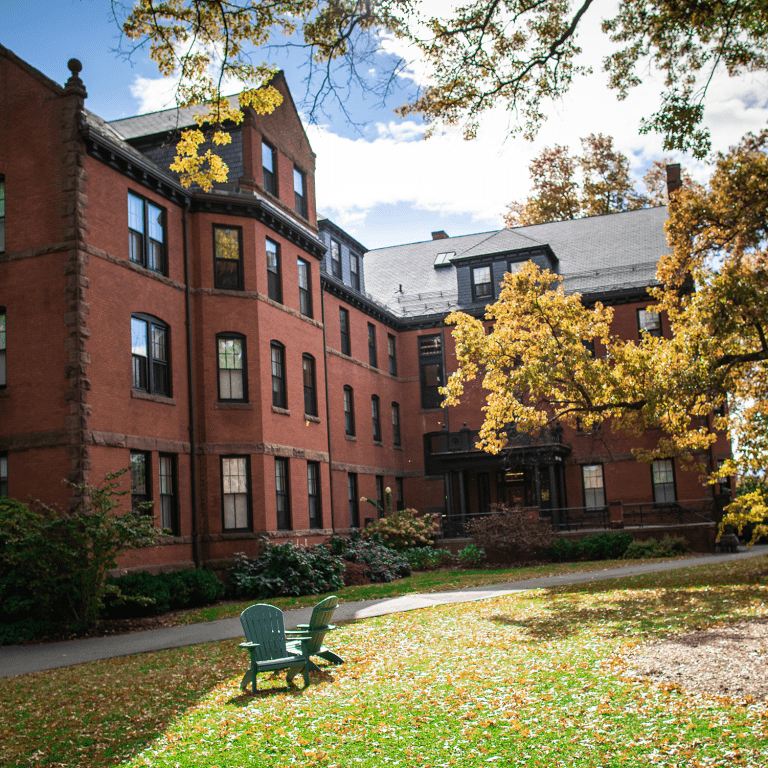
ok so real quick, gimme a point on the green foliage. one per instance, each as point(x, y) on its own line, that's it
point(383, 564)
point(667, 547)
point(427, 558)
point(601, 546)
point(403, 529)
point(54, 564)
point(471, 556)
point(511, 535)
point(285, 569)
point(146, 594)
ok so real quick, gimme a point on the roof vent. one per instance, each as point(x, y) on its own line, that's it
point(439, 235)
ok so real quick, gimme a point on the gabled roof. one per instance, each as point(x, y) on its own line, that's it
point(617, 251)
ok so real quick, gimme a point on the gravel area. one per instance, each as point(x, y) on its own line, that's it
point(718, 661)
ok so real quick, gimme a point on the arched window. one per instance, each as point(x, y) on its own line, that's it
point(150, 348)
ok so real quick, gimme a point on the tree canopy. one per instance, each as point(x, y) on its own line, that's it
point(537, 365)
point(514, 53)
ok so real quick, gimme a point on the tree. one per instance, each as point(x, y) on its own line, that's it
point(514, 53)
point(537, 369)
point(559, 194)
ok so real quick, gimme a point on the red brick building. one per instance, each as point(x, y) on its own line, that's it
point(257, 370)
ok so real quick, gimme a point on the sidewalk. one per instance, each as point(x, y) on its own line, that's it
point(25, 659)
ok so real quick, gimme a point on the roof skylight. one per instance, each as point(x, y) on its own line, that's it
point(444, 259)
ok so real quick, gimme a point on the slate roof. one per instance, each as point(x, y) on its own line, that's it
point(616, 251)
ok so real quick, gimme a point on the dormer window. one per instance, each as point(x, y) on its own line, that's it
point(335, 259)
point(482, 287)
point(354, 271)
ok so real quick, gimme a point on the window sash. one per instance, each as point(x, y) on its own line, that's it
point(372, 359)
point(392, 350)
point(274, 280)
point(3, 475)
point(228, 258)
point(168, 518)
point(376, 419)
point(354, 501)
point(663, 478)
point(648, 322)
point(282, 498)
point(3, 340)
point(278, 377)
point(235, 490)
point(395, 424)
point(313, 495)
point(141, 489)
point(349, 412)
point(354, 271)
point(593, 484)
point(400, 493)
point(380, 495)
point(299, 189)
point(305, 288)
point(346, 348)
point(335, 259)
point(146, 234)
point(268, 168)
point(310, 391)
point(482, 285)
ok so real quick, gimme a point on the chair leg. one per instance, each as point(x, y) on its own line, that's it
point(331, 656)
point(246, 679)
point(313, 667)
point(306, 673)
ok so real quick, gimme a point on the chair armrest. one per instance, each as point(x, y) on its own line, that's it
point(300, 637)
point(307, 628)
point(248, 644)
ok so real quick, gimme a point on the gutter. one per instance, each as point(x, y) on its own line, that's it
point(327, 407)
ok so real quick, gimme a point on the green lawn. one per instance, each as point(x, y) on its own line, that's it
point(526, 680)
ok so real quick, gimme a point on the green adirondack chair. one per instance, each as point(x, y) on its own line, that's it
point(265, 641)
point(319, 625)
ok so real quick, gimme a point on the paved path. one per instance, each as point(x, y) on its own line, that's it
point(24, 659)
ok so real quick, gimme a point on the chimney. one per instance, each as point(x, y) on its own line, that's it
point(673, 179)
point(440, 235)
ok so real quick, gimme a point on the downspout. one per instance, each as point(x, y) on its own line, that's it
point(327, 406)
point(191, 394)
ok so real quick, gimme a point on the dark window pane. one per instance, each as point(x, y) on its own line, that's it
point(282, 501)
point(227, 261)
point(372, 360)
point(344, 329)
point(278, 377)
point(349, 412)
point(274, 282)
point(268, 166)
point(310, 395)
point(335, 259)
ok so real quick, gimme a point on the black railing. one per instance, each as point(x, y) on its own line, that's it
point(465, 440)
point(671, 513)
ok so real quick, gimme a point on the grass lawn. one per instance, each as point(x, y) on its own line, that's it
point(526, 680)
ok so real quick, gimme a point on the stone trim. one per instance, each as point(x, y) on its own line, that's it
point(136, 268)
point(313, 419)
point(281, 411)
point(360, 469)
point(137, 442)
point(351, 438)
point(256, 296)
point(233, 406)
point(370, 368)
point(274, 534)
point(138, 395)
point(601, 458)
point(34, 253)
point(267, 449)
point(34, 441)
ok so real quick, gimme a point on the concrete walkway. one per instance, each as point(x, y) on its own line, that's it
point(25, 659)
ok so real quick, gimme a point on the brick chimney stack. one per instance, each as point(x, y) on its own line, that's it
point(674, 182)
point(439, 235)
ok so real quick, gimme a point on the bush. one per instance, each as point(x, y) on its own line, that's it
point(285, 569)
point(54, 564)
point(510, 534)
point(667, 547)
point(471, 556)
point(601, 546)
point(382, 563)
point(145, 594)
point(427, 558)
point(403, 529)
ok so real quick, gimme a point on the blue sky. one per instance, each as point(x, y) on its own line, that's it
point(379, 179)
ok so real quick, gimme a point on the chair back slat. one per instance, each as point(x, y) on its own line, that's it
point(263, 624)
point(323, 612)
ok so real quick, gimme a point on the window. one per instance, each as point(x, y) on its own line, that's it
point(372, 345)
point(593, 484)
point(305, 288)
point(3, 375)
point(400, 493)
point(141, 486)
point(2, 214)
point(310, 388)
point(313, 493)
point(335, 259)
point(349, 411)
point(431, 370)
point(376, 419)
point(146, 234)
point(274, 281)
point(354, 270)
point(150, 348)
point(380, 494)
point(663, 479)
point(3, 475)
point(232, 370)
point(648, 322)
point(354, 501)
point(346, 347)
point(444, 259)
point(228, 258)
point(279, 399)
point(392, 350)
point(282, 497)
point(396, 424)
point(168, 493)
point(235, 491)
point(268, 166)
point(299, 189)
point(482, 288)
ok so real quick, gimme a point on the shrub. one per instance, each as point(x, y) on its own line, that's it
point(471, 556)
point(667, 547)
point(510, 534)
point(601, 546)
point(54, 564)
point(286, 569)
point(427, 558)
point(382, 563)
point(403, 529)
point(146, 594)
